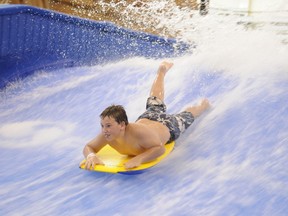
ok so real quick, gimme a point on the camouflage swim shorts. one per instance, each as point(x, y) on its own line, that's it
point(176, 123)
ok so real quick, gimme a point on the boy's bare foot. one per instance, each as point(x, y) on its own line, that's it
point(199, 109)
point(205, 104)
point(165, 66)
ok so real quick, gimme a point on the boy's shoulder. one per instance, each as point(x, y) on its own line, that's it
point(141, 131)
point(138, 128)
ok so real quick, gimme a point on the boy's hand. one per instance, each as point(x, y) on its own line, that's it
point(91, 162)
point(132, 163)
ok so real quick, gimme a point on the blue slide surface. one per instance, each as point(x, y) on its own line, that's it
point(58, 73)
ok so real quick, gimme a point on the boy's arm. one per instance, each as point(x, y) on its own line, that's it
point(153, 148)
point(90, 151)
point(150, 154)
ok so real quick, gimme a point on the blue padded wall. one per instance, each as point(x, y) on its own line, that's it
point(33, 39)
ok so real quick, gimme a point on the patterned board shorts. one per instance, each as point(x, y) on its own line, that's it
point(177, 123)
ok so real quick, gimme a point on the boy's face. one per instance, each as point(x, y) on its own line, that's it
point(111, 129)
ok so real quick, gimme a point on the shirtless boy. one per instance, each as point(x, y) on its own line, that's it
point(144, 139)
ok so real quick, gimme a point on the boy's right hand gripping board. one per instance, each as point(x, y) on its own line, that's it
point(114, 162)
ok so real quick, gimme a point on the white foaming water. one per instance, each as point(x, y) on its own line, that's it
point(232, 161)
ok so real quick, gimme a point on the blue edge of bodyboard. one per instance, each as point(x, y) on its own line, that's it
point(136, 172)
point(34, 39)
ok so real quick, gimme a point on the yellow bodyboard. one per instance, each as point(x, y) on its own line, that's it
point(114, 161)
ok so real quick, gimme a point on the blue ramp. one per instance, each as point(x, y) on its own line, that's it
point(33, 39)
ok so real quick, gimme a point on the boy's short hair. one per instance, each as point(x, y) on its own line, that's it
point(117, 112)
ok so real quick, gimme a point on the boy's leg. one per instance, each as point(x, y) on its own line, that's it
point(157, 89)
point(199, 109)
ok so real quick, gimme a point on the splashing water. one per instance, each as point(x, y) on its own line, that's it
point(232, 161)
